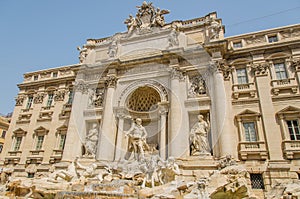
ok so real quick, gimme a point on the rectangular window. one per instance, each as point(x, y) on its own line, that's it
point(272, 38)
point(35, 78)
point(3, 134)
point(257, 181)
point(293, 126)
point(50, 100)
point(242, 76)
point(29, 102)
point(237, 45)
point(280, 71)
point(39, 143)
point(70, 99)
point(18, 143)
point(54, 74)
point(250, 132)
point(1, 147)
point(62, 142)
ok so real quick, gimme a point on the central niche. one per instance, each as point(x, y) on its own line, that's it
point(143, 99)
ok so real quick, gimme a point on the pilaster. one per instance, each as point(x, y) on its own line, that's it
point(262, 80)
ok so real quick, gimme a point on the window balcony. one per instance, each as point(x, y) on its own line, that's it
point(65, 112)
point(36, 156)
point(244, 90)
point(13, 157)
point(253, 150)
point(284, 86)
point(45, 116)
point(291, 149)
point(56, 156)
point(24, 118)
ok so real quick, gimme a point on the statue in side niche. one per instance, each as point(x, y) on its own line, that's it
point(91, 141)
point(199, 137)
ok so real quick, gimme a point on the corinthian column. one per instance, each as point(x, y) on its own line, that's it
point(106, 143)
point(223, 140)
point(178, 139)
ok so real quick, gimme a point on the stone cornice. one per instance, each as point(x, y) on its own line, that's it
point(45, 82)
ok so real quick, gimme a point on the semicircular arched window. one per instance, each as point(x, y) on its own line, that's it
point(143, 99)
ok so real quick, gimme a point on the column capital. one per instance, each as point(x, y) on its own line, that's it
point(111, 81)
point(260, 69)
point(177, 73)
point(295, 63)
point(81, 86)
point(220, 66)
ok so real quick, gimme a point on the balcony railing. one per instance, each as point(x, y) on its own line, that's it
point(291, 148)
point(253, 150)
point(244, 90)
point(289, 84)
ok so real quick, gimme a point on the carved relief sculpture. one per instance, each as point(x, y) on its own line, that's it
point(199, 137)
point(198, 87)
point(95, 97)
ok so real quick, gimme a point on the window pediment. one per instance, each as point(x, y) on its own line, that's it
point(41, 130)
point(289, 111)
point(248, 114)
point(19, 132)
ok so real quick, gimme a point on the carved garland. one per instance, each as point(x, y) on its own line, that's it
point(19, 100)
point(260, 69)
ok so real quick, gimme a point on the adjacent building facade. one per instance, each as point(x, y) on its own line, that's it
point(246, 87)
point(4, 124)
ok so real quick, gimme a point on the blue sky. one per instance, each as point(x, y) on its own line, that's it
point(38, 35)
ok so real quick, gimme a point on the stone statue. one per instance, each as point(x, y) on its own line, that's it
point(137, 140)
point(112, 49)
point(198, 137)
point(131, 24)
point(168, 171)
point(91, 141)
point(65, 175)
point(82, 53)
point(159, 19)
point(215, 28)
point(173, 39)
point(88, 171)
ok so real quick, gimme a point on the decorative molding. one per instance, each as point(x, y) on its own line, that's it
point(59, 95)
point(295, 63)
point(19, 100)
point(260, 69)
point(38, 98)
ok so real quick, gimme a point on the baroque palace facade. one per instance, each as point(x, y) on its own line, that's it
point(246, 88)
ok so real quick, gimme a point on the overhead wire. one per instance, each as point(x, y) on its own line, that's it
point(254, 19)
